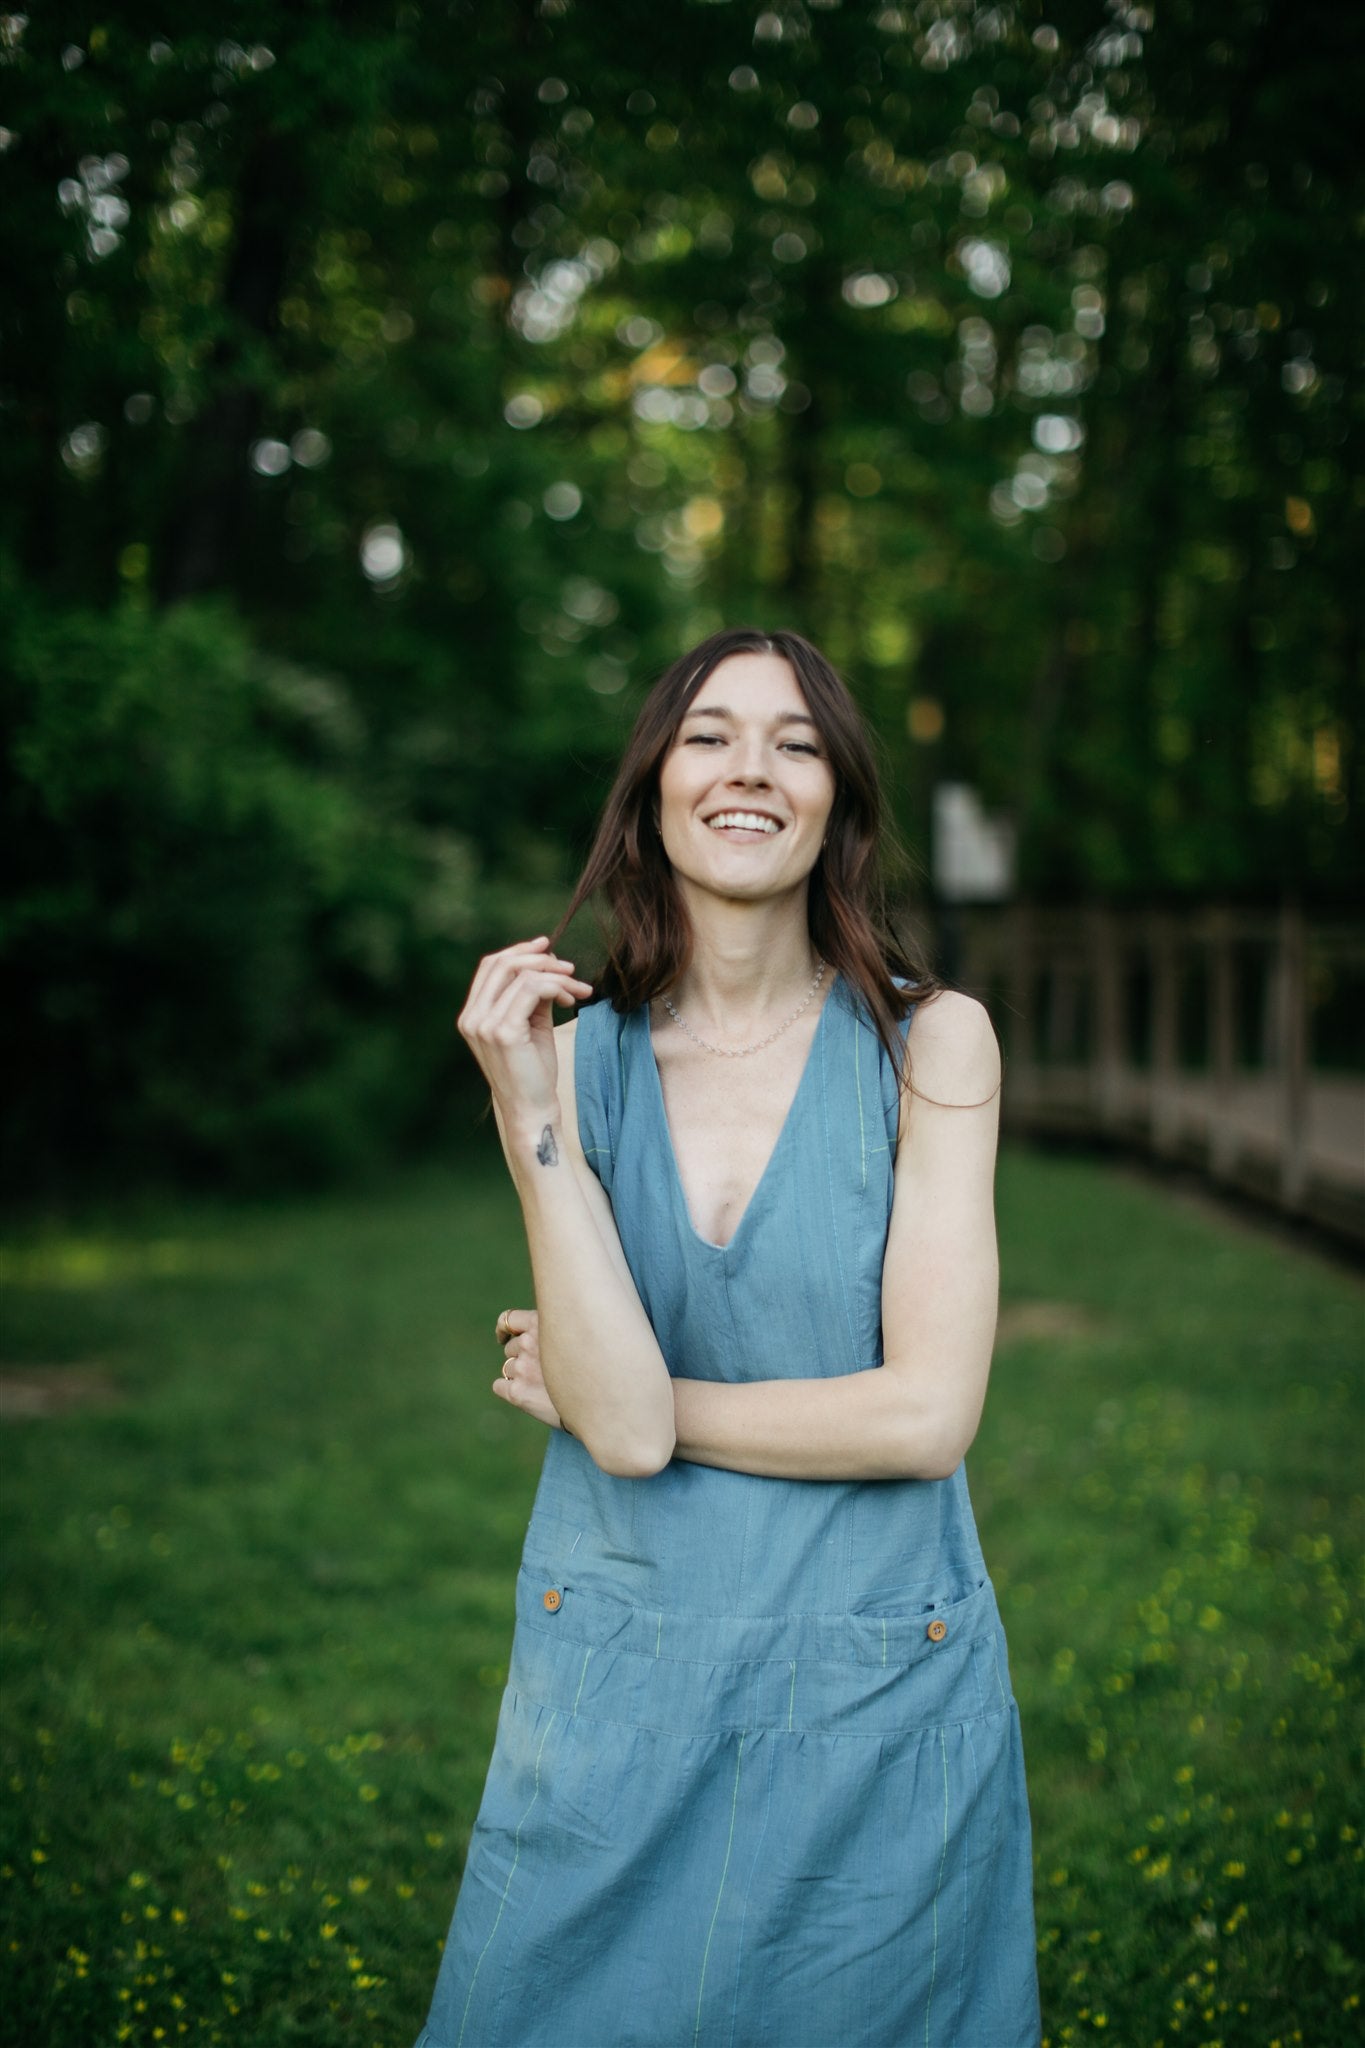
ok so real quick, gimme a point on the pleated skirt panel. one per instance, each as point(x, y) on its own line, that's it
point(704, 1832)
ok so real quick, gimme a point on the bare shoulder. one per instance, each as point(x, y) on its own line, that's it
point(954, 1056)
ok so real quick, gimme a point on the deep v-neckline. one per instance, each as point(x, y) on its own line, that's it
point(788, 1120)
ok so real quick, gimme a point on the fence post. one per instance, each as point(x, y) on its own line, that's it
point(1165, 1033)
point(1291, 984)
point(1107, 982)
point(1222, 1044)
point(1023, 1035)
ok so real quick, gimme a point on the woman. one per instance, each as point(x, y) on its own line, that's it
point(758, 1777)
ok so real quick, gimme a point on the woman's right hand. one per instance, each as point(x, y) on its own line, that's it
point(521, 1382)
point(508, 1024)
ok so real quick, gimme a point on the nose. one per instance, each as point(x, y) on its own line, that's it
point(749, 767)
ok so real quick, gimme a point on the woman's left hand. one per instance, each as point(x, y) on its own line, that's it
point(520, 1383)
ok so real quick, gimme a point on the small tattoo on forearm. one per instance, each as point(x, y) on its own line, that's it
point(547, 1152)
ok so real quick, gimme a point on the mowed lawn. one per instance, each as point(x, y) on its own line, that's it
point(258, 1582)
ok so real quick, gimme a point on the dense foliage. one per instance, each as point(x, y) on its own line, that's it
point(200, 862)
point(455, 364)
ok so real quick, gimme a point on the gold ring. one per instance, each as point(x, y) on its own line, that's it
point(498, 1330)
point(505, 1373)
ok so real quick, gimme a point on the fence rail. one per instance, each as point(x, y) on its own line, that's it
point(1225, 1038)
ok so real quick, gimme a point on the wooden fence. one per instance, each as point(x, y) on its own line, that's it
point(1228, 1039)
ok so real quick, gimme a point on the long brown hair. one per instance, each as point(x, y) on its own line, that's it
point(648, 934)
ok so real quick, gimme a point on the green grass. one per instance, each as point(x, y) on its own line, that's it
point(256, 1613)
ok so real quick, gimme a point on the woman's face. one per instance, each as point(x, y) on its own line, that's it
point(746, 789)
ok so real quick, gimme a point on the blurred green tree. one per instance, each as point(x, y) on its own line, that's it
point(234, 959)
point(475, 358)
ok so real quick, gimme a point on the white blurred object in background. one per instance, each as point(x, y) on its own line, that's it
point(973, 851)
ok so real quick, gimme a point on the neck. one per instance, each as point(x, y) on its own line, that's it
point(748, 959)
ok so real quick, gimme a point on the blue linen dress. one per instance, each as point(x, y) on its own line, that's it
point(758, 1779)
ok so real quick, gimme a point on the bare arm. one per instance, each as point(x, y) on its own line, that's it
point(603, 1369)
point(915, 1416)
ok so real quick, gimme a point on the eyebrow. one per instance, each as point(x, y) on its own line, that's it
point(722, 711)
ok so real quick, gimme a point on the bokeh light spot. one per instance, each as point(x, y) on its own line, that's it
point(986, 265)
point(924, 720)
point(83, 449)
point(383, 554)
point(1057, 433)
point(869, 288)
point(525, 410)
point(562, 500)
point(310, 448)
point(270, 458)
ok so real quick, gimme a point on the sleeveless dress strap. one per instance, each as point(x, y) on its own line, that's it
point(599, 1086)
point(600, 1080)
point(890, 1079)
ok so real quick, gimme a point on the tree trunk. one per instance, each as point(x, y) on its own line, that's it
point(204, 531)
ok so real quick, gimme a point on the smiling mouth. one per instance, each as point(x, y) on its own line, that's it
point(744, 821)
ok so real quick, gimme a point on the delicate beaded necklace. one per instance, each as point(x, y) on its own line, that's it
point(741, 1052)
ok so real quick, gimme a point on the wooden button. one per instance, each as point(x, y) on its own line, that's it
point(936, 1630)
point(553, 1598)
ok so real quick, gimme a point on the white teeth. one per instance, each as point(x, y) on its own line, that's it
point(743, 821)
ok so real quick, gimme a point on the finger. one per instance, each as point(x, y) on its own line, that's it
point(520, 992)
point(508, 1018)
point(492, 970)
point(527, 948)
point(515, 1320)
point(473, 1018)
point(497, 966)
point(509, 971)
point(501, 1017)
point(505, 964)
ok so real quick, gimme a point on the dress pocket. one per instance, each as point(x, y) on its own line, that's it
point(942, 1653)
